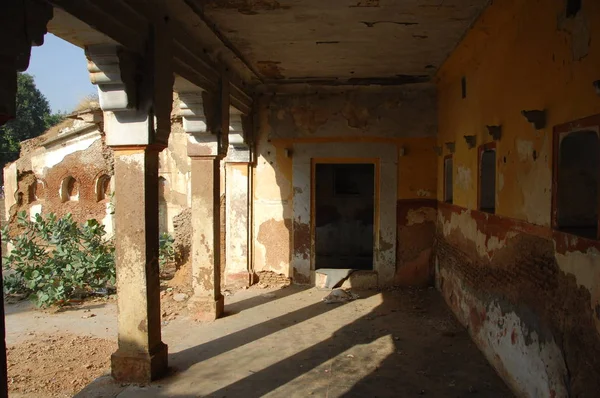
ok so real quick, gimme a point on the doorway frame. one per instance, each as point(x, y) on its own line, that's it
point(313, 202)
point(302, 153)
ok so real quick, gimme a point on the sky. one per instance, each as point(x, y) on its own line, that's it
point(60, 72)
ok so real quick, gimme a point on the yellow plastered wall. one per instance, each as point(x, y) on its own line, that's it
point(417, 165)
point(519, 55)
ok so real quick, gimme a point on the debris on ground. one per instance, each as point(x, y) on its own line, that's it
point(173, 303)
point(179, 297)
point(57, 365)
point(340, 296)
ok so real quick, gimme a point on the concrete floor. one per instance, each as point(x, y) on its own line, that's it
point(289, 343)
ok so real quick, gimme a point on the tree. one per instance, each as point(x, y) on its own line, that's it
point(32, 119)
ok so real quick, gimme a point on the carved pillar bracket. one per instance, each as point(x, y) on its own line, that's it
point(113, 70)
point(203, 116)
point(135, 91)
point(202, 142)
point(239, 150)
point(22, 25)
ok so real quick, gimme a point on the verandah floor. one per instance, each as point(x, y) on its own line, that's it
point(398, 343)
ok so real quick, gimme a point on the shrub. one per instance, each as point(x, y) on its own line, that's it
point(166, 250)
point(54, 258)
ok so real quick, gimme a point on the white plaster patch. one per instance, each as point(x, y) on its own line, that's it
point(524, 149)
point(467, 226)
point(107, 221)
point(585, 267)
point(423, 193)
point(10, 188)
point(536, 367)
point(57, 154)
point(34, 210)
point(533, 368)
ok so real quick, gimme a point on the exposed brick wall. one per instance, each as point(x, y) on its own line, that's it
point(521, 276)
point(85, 167)
point(271, 278)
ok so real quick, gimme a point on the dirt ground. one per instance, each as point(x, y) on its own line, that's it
point(56, 365)
point(78, 349)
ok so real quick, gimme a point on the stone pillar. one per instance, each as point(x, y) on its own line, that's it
point(238, 200)
point(136, 120)
point(207, 303)
point(203, 115)
point(141, 356)
point(22, 25)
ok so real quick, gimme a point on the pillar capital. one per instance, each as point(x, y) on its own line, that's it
point(113, 70)
point(239, 148)
point(202, 142)
point(205, 117)
point(135, 91)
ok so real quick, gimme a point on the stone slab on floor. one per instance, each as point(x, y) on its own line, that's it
point(329, 278)
point(401, 343)
point(361, 280)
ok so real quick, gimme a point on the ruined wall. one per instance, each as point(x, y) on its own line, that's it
point(529, 295)
point(35, 183)
point(403, 119)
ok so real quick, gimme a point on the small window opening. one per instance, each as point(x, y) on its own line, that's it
point(31, 192)
point(463, 85)
point(69, 189)
point(448, 194)
point(487, 180)
point(103, 187)
point(40, 190)
point(573, 7)
point(577, 184)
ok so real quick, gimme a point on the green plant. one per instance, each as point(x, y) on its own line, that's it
point(54, 258)
point(166, 249)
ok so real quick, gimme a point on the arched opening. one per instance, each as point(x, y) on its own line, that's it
point(103, 187)
point(32, 192)
point(69, 189)
point(39, 190)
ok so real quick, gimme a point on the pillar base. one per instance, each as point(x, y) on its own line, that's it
point(142, 368)
point(205, 309)
point(238, 279)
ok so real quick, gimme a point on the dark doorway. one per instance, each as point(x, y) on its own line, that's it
point(344, 207)
point(577, 184)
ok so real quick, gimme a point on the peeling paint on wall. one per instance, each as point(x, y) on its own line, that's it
point(409, 112)
point(276, 251)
